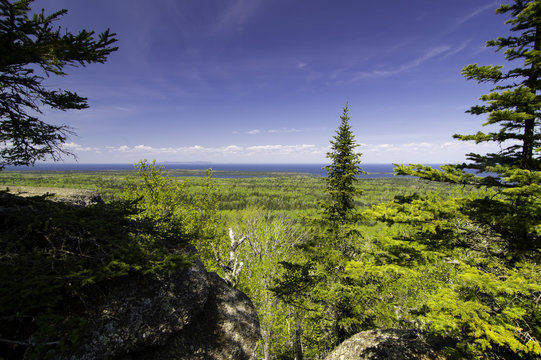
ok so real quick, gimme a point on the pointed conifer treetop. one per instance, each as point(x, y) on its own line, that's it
point(342, 174)
point(515, 102)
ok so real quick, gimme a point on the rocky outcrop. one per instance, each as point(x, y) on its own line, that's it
point(78, 197)
point(390, 345)
point(48, 313)
point(190, 315)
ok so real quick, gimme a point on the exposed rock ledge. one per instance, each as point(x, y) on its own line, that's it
point(191, 315)
point(390, 345)
point(79, 197)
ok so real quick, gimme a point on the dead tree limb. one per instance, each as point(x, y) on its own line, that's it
point(234, 266)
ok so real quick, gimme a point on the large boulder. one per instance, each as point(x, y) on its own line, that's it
point(190, 314)
point(193, 314)
point(390, 345)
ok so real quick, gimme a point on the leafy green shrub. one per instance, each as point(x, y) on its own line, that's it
point(162, 201)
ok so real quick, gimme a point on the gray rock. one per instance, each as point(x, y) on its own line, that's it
point(190, 315)
point(390, 345)
point(77, 197)
point(82, 198)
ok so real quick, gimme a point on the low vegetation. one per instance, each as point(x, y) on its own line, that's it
point(417, 259)
point(166, 211)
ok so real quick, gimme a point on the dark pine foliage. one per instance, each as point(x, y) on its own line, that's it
point(341, 178)
point(30, 51)
point(515, 103)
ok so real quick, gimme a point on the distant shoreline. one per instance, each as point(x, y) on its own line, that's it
point(221, 170)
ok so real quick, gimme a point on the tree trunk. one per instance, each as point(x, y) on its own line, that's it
point(266, 345)
point(299, 354)
point(529, 126)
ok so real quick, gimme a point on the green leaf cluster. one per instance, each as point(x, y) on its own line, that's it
point(490, 311)
point(490, 236)
point(271, 238)
point(163, 201)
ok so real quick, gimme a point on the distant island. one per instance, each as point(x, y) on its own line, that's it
point(186, 162)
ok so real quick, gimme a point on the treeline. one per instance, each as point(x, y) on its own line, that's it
point(235, 193)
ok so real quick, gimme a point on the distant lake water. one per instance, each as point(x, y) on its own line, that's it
point(374, 170)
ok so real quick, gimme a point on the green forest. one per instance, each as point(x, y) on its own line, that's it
point(275, 212)
point(455, 252)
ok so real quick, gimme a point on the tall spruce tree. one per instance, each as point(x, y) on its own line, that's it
point(314, 283)
point(341, 179)
point(28, 45)
point(515, 103)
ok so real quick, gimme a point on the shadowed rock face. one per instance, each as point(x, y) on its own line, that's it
point(390, 345)
point(190, 315)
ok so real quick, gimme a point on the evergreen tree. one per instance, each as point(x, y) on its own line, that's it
point(511, 206)
point(27, 45)
point(315, 282)
point(493, 233)
point(515, 103)
point(341, 178)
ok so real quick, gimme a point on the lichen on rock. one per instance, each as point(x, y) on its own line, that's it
point(192, 314)
point(391, 344)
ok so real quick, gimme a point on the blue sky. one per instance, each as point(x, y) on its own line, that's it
point(264, 81)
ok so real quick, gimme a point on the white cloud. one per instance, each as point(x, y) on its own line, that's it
point(445, 151)
point(124, 148)
point(229, 149)
point(142, 148)
point(416, 146)
point(450, 145)
point(281, 148)
point(467, 17)
point(271, 131)
point(283, 131)
point(405, 67)
point(232, 149)
point(399, 46)
point(235, 15)
point(376, 148)
point(421, 147)
point(476, 12)
point(457, 50)
point(423, 152)
point(73, 147)
point(384, 152)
